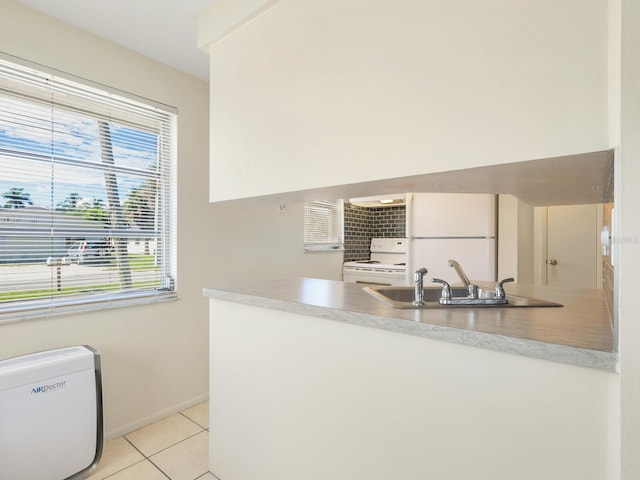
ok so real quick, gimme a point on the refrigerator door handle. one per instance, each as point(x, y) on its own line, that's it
point(453, 238)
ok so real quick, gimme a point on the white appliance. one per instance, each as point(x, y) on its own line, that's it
point(50, 415)
point(461, 227)
point(387, 266)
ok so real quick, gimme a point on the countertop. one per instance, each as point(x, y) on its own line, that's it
point(579, 333)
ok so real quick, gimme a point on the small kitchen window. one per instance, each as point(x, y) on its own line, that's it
point(87, 195)
point(323, 225)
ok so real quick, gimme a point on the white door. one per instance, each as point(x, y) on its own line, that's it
point(572, 246)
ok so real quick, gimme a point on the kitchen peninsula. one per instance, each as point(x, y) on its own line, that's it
point(303, 387)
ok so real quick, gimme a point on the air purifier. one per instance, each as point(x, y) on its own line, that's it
point(51, 415)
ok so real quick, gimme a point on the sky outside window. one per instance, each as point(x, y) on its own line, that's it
point(73, 137)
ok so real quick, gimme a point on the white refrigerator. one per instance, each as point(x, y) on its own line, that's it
point(444, 226)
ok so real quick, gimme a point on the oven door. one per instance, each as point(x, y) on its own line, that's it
point(373, 277)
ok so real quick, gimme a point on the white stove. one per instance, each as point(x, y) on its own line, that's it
point(387, 266)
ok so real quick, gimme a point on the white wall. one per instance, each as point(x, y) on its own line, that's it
point(515, 239)
point(253, 243)
point(540, 246)
point(302, 397)
point(370, 89)
point(155, 357)
point(628, 239)
point(543, 62)
point(620, 118)
point(525, 242)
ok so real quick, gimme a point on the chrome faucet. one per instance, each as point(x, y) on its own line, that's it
point(460, 272)
point(475, 295)
point(500, 289)
point(418, 297)
point(471, 289)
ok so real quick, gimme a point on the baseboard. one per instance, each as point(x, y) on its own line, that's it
point(142, 422)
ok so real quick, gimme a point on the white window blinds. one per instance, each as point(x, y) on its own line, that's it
point(86, 195)
point(323, 225)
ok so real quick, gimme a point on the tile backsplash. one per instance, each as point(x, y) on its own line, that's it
point(362, 224)
point(389, 221)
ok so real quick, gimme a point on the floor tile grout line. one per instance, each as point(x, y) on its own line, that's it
point(148, 457)
point(202, 429)
point(145, 458)
point(205, 473)
point(162, 471)
point(192, 420)
point(122, 469)
point(173, 445)
point(136, 448)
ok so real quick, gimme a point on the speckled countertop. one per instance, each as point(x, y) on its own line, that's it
point(579, 333)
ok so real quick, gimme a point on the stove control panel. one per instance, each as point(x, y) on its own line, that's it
point(388, 245)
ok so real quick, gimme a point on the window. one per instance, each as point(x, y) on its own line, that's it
point(87, 197)
point(323, 225)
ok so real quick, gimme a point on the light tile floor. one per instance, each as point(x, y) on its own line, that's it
point(174, 448)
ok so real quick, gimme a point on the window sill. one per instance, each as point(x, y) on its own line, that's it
point(49, 308)
point(323, 248)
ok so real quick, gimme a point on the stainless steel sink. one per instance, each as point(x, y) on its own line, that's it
point(401, 297)
point(405, 294)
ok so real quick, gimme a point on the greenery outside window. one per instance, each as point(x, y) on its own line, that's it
point(323, 225)
point(87, 195)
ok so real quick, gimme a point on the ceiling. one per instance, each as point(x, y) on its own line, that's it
point(164, 30)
